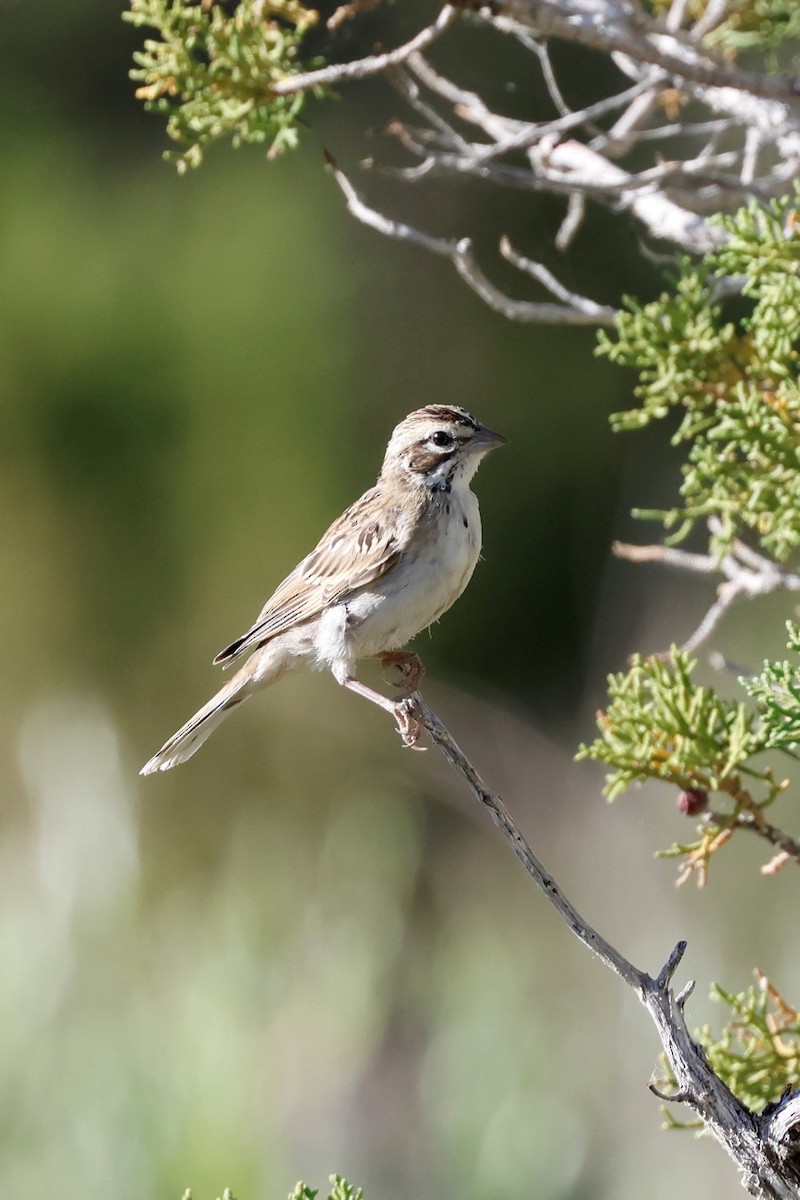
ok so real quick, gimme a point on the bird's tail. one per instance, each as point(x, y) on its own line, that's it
point(190, 737)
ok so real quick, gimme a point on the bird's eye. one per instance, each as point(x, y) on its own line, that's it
point(440, 438)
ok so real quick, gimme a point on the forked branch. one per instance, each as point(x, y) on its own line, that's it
point(745, 573)
point(572, 309)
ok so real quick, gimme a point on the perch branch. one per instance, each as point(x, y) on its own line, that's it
point(761, 1146)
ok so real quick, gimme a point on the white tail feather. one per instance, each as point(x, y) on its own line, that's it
point(285, 653)
point(190, 737)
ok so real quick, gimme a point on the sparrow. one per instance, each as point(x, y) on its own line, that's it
point(389, 567)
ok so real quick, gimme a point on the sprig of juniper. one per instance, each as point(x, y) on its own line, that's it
point(777, 692)
point(210, 72)
point(734, 381)
point(661, 724)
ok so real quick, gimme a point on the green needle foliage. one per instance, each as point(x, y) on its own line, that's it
point(211, 72)
point(661, 724)
point(777, 691)
point(758, 1053)
point(735, 383)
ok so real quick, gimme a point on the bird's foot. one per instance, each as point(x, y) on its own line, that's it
point(410, 724)
point(410, 668)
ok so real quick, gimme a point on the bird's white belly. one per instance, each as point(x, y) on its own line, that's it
point(411, 596)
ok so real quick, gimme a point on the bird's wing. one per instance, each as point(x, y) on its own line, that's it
point(360, 546)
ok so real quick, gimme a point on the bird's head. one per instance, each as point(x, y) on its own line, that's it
point(439, 445)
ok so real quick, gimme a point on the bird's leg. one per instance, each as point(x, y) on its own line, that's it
point(409, 664)
point(409, 724)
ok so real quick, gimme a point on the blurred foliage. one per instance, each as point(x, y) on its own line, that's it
point(735, 382)
point(210, 72)
point(662, 725)
point(757, 1054)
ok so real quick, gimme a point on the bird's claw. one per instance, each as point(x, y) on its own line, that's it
point(410, 724)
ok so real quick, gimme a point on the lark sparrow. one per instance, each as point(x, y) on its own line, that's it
point(387, 568)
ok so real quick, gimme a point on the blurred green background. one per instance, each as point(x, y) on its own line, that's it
point(306, 951)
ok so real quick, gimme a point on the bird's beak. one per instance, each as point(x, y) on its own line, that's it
point(486, 439)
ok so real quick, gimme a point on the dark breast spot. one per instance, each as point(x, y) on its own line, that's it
point(466, 523)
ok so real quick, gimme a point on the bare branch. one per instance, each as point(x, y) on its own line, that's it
point(617, 26)
point(405, 83)
point(747, 574)
point(727, 596)
point(348, 12)
point(549, 75)
point(715, 14)
point(569, 154)
point(601, 313)
point(532, 133)
point(573, 219)
point(757, 1145)
point(460, 254)
point(579, 167)
point(468, 105)
point(625, 132)
point(364, 67)
point(502, 818)
point(669, 555)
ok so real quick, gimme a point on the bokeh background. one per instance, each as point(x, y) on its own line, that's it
point(306, 951)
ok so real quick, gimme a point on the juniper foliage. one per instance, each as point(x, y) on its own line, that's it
point(733, 382)
point(661, 724)
point(777, 693)
point(211, 73)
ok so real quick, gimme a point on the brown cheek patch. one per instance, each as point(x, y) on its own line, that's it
point(425, 460)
